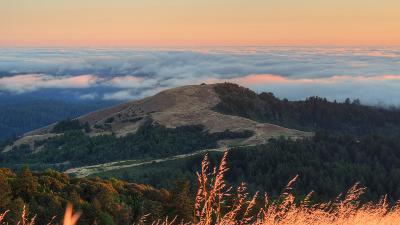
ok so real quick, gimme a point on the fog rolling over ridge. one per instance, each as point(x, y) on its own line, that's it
point(371, 74)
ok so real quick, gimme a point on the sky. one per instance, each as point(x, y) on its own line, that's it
point(94, 23)
point(129, 49)
point(371, 74)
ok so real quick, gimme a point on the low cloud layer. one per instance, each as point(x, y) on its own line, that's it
point(370, 74)
point(33, 82)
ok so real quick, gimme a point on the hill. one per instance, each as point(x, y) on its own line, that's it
point(182, 106)
point(175, 121)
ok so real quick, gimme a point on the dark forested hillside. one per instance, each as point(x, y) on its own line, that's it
point(104, 202)
point(20, 115)
point(76, 148)
point(325, 164)
point(314, 113)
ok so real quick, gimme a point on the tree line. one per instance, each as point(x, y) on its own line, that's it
point(312, 114)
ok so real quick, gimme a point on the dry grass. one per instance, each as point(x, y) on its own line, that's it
point(69, 217)
point(24, 220)
point(214, 204)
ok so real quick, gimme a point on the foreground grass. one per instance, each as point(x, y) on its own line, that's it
point(344, 210)
point(215, 203)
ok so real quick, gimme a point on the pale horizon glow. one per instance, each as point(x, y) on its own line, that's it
point(198, 23)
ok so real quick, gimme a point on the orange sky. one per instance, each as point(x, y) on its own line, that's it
point(198, 22)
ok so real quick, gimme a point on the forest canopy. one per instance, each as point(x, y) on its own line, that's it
point(312, 114)
point(326, 164)
point(103, 202)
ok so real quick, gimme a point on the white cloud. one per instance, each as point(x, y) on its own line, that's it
point(134, 73)
point(128, 94)
point(219, 62)
point(131, 82)
point(33, 82)
point(89, 96)
point(126, 81)
point(119, 95)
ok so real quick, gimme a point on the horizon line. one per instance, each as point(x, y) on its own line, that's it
point(193, 46)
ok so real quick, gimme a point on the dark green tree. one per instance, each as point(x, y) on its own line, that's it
point(181, 202)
